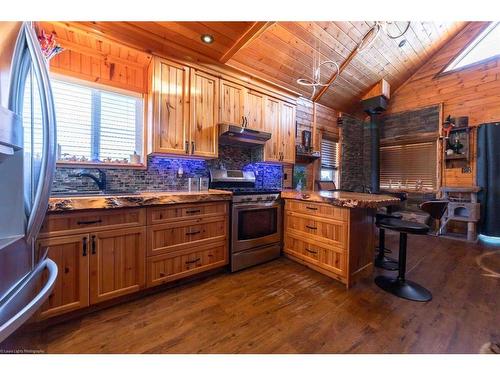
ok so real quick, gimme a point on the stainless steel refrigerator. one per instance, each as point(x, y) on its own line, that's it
point(27, 165)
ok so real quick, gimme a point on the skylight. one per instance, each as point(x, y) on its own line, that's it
point(486, 45)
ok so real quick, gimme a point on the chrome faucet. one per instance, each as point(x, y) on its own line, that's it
point(100, 181)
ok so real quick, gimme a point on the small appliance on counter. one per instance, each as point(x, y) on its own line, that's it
point(256, 218)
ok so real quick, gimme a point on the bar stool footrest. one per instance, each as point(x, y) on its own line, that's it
point(404, 289)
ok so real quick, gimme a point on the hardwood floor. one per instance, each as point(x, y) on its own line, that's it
point(284, 307)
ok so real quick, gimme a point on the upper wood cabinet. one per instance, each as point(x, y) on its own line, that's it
point(187, 103)
point(204, 107)
point(272, 147)
point(170, 107)
point(232, 103)
point(254, 110)
point(185, 109)
point(287, 132)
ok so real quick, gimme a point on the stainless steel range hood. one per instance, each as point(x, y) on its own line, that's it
point(232, 134)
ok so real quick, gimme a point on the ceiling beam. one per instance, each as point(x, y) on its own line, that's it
point(367, 39)
point(252, 33)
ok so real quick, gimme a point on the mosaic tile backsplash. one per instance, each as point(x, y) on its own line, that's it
point(161, 174)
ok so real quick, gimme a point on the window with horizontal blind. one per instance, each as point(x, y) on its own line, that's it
point(329, 160)
point(409, 166)
point(96, 125)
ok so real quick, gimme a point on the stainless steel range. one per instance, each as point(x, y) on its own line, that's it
point(256, 218)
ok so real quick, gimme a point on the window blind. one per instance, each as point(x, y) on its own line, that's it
point(404, 165)
point(329, 150)
point(97, 124)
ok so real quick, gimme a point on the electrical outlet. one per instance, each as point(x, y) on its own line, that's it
point(466, 170)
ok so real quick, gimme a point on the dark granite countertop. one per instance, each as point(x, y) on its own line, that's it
point(342, 198)
point(90, 202)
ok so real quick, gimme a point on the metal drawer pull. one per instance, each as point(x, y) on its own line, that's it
point(93, 244)
point(311, 251)
point(192, 211)
point(89, 222)
point(84, 253)
point(193, 261)
point(192, 147)
point(186, 147)
point(308, 226)
point(191, 233)
point(312, 208)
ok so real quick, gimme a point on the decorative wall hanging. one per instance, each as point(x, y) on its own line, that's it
point(49, 45)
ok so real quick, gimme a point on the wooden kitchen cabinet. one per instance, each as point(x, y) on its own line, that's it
point(71, 290)
point(279, 120)
point(272, 147)
point(204, 114)
point(287, 132)
point(254, 110)
point(232, 102)
point(184, 109)
point(117, 263)
point(170, 112)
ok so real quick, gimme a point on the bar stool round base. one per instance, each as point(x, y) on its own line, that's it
point(403, 289)
point(386, 263)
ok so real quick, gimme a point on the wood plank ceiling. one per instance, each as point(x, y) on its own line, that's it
point(282, 52)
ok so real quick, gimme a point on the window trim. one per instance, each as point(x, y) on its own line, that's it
point(98, 86)
point(336, 170)
point(466, 49)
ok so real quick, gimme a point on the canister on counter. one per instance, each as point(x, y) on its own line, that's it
point(204, 181)
point(194, 184)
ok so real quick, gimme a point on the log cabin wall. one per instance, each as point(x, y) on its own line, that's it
point(325, 118)
point(472, 92)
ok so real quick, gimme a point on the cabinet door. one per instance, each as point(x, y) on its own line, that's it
point(71, 291)
point(232, 102)
point(204, 104)
point(117, 263)
point(254, 109)
point(272, 125)
point(287, 132)
point(170, 108)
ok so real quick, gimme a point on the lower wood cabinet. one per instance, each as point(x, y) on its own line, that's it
point(71, 291)
point(103, 262)
point(175, 265)
point(117, 263)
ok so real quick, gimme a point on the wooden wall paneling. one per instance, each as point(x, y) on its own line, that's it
point(472, 92)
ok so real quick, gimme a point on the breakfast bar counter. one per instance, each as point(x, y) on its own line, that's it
point(332, 232)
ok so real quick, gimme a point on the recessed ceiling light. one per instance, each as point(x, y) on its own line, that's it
point(402, 43)
point(207, 38)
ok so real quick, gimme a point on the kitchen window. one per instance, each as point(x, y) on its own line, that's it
point(329, 160)
point(409, 166)
point(96, 125)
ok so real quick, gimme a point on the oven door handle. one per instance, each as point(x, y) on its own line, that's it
point(244, 207)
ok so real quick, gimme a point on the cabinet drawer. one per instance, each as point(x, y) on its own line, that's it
point(172, 266)
point(83, 222)
point(174, 213)
point(163, 238)
point(334, 232)
point(328, 257)
point(318, 209)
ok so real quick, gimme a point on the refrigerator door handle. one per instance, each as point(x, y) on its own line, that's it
point(48, 162)
point(12, 312)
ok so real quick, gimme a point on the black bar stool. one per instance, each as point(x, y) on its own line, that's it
point(399, 286)
point(381, 260)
